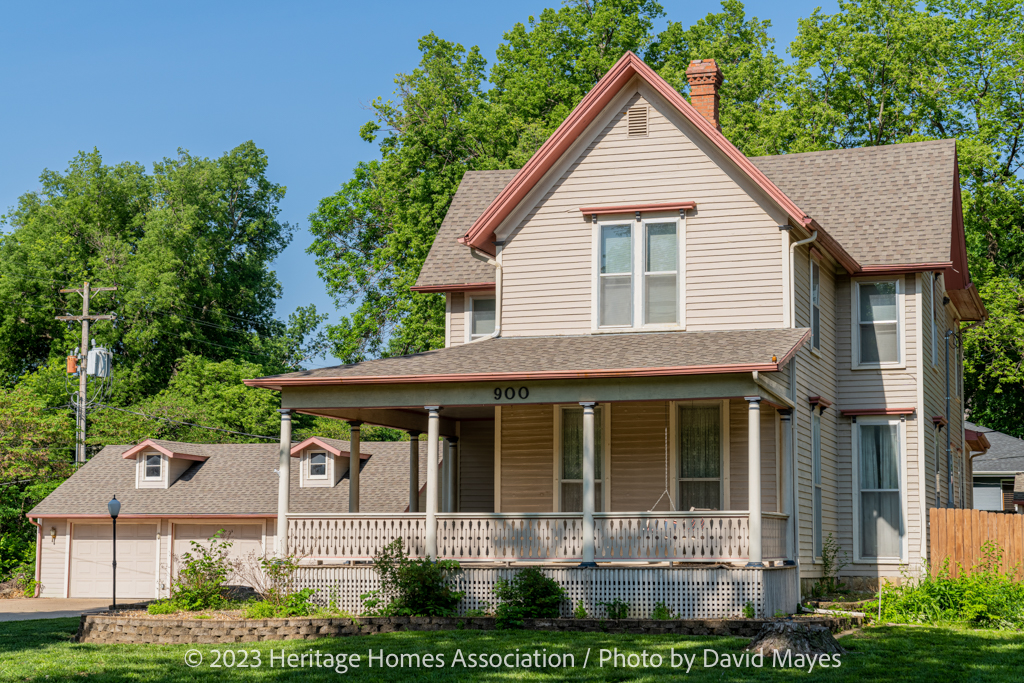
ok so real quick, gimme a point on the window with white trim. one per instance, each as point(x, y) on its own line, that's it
point(879, 488)
point(816, 464)
point(153, 466)
point(317, 465)
point(699, 428)
point(935, 323)
point(878, 322)
point(815, 304)
point(616, 286)
point(571, 467)
point(481, 316)
point(638, 273)
point(661, 273)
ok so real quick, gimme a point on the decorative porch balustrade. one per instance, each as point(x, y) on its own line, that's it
point(545, 537)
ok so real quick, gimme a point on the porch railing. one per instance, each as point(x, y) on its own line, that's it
point(503, 537)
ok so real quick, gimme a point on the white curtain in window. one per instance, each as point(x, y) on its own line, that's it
point(878, 323)
point(700, 456)
point(572, 459)
point(880, 495)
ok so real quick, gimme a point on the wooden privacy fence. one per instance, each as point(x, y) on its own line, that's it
point(959, 534)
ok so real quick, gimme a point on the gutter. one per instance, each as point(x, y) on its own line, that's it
point(39, 555)
point(792, 276)
point(479, 255)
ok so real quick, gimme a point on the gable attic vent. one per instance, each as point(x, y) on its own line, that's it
point(636, 121)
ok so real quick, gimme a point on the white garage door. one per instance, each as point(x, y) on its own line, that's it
point(91, 570)
point(245, 539)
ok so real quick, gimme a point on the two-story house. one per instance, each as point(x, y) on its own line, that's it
point(672, 370)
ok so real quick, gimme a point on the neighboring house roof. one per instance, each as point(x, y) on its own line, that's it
point(450, 264)
point(890, 205)
point(237, 479)
point(584, 356)
point(1005, 454)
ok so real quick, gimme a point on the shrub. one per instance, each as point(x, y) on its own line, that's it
point(200, 581)
point(661, 611)
point(259, 609)
point(408, 587)
point(528, 595)
point(833, 559)
point(748, 610)
point(162, 607)
point(579, 612)
point(984, 596)
point(616, 609)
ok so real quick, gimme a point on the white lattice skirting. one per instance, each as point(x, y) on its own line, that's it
point(692, 593)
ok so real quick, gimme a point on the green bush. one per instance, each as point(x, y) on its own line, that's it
point(984, 596)
point(259, 610)
point(529, 595)
point(417, 588)
point(616, 609)
point(579, 612)
point(661, 611)
point(200, 581)
point(748, 610)
point(162, 607)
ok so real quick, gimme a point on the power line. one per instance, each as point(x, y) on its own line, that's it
point(189, 424)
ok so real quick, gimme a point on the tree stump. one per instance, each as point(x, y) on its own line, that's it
point(798, 637)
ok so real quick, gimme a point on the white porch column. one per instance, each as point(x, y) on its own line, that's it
point(433, 433)
point(788, 462)
point(353, 467)
point(284, 477)
point(414, 471)
point(754, 478)
point(588, 485)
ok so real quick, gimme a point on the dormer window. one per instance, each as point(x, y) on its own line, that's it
point(317, 465)
point(153, 464)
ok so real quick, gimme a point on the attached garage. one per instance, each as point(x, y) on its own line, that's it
point(91, 557)
point(245, 539)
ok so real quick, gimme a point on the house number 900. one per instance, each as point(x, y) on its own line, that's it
point(510, 393)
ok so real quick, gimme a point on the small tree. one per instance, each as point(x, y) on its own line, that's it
point(204, 571)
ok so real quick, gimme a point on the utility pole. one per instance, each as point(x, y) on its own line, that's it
point(85, 318)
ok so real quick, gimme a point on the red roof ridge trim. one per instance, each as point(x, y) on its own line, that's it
point(585, 112)
point(151, 444)
point(320, 443)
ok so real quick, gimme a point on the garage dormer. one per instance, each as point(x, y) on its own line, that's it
point(158, 464)
point(322, 462)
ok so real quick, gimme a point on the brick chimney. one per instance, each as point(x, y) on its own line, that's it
point(705, 79)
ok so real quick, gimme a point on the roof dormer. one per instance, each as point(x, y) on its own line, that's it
point(158, 464)
point(322, 462)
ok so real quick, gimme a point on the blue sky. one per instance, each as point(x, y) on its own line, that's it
point(138, 80)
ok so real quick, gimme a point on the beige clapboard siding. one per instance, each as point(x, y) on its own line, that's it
point(476, 466)
point(527, 458)
point(638, 456)
point(738, 444)
point(456, 318)
point(548, 261)
point(54, 559)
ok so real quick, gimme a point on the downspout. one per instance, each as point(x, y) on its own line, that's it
point(497, 292)
point(39, 555)
point(792, 276)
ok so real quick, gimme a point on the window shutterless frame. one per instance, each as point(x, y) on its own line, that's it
point(817, 493)
point(878, 325)
point(701, 435)
point(568, 484)
point(153, 467)
point(815, 316)
point(879, 488)
point(480, 315)
point(659, 291)
point(317, 465)
point(615, 267)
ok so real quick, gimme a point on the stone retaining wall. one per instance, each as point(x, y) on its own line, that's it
point(109, 628)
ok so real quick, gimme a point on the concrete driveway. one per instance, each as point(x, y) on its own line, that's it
point(48, 608)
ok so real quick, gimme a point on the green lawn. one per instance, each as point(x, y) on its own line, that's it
point(42, 650)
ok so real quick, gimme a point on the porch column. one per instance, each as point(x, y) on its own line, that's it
point(284, 477)
point(785, 416)
point(353, 467)
point(414, 471)
point(588, 485)
point(433, 433)
point(754, 478)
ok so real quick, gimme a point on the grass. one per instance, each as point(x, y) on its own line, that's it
point(42, 651)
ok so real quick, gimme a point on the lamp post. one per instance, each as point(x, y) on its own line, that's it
point(114, 506)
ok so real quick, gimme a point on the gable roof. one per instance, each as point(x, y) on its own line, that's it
point(890, 205)
point(172, 449)
point(1005, 453)
point(481, 234)
point(237, 479)
point(449, 265)
point(584, 356)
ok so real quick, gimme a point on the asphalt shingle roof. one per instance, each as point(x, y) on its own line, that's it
point(885, 205)
point(236, 479)
point(450, 263)
point(1006, 453)
point(575, 354)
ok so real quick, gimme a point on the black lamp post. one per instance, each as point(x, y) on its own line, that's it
point(114, 506)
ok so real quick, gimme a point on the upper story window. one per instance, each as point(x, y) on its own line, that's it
point(153, 465)
point(878, 323)
point(935, 322)
point(638, 274)
point(481, 316)
point(815, 304)
point(317, 465)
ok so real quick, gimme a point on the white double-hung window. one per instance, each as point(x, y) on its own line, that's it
point(481, 316)
point(317, 465)
point(877, 308)
point(881, 528)
point(638, 274)
point(153, 464)
point(815, 304)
